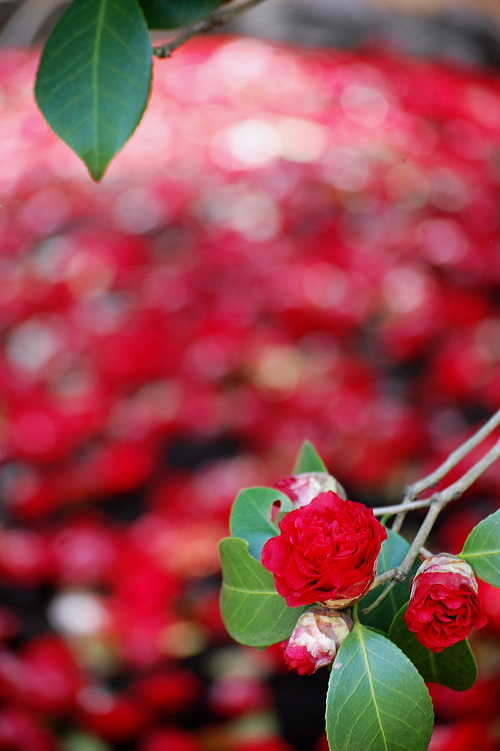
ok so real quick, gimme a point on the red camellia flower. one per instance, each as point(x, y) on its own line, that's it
point(444, 604)
point(327, 552)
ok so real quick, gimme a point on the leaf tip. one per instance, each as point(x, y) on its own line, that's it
point(308, 459)
point(96, 175)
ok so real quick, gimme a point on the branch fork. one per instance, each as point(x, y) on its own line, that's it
point(435, 503)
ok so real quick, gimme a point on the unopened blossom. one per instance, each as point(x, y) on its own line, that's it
point(316, 639)
point(305, 486)
point(444, 604)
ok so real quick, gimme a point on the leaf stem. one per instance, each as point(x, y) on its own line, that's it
point(214, 20)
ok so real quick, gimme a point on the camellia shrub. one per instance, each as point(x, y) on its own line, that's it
point(314, 255)
point(309, 587)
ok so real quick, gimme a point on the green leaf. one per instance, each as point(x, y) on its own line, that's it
point(308, 460)
point(83, 742)
point(392, 552)
point(454, 667)
point(251, 516)
point(94, 78)
point(482, 549)
point(376, 699)
point(252, 610)
point(170, 14)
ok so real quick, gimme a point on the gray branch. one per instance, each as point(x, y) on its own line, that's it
point(214, 20)
point(24, 24)
point(431, 480)
point(398, 507)
point(436, 503)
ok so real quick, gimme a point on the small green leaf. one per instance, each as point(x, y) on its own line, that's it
point(170, 14)
point(376, 699)
point(454, 667)
point(482, 549)
point(251, 516)
point(252, 610)
point(84, 742)
point(94, 78)
point(308, 460)
point(392, 552)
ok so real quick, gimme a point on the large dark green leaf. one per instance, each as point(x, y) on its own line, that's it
point(252, 610)
point(454, 667)
point(94, 78)
point(376, 700)
point(308, 460)
point(392, 553)
point(170, 14)
point(251, 516)
point(482, 549)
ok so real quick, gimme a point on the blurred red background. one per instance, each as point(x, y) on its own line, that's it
point(295, 244)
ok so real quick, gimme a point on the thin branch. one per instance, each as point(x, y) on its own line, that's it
point(214, 20)
point(24, 24)
point(411, 506)
point(381, 597)
point(450, 493)
point(383, 578)
point(460, 486)
point(424, 553)
point(401, 572)
point(405, 507)
point(436, 504)
point(420, 538)
point(431, 480)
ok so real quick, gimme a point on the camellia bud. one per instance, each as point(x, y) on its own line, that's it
point(444, 604)
point(443, 563)
point(316, 639)
point(302, 488)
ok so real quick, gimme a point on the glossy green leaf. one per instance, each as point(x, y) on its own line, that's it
point(482, 549)
point(308, 460)
point(170, 14)
point(94, 78)
point(391, 555)
point(376, 700)
point(252, 610)
point(251, 516)
point(454, 667)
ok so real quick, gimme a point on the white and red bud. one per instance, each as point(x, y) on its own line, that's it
point(443, 563)
point(302, 488)
point(316, 639)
